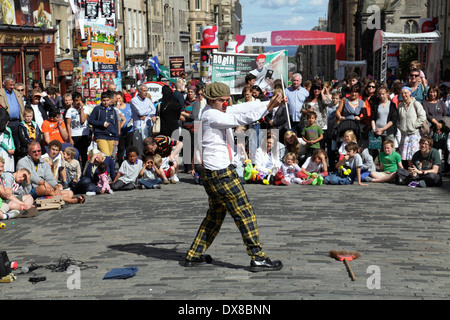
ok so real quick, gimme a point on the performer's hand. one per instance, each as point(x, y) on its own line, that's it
point(276, 101)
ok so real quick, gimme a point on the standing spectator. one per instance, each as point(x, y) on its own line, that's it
point(435, 108)
point(105, 123)
point(21, 88)
point(419, 90)
point(143, 112)
point(40, 114)
point(296, 96)
point(77, 126)
point(170, 111)
point(12, 101)
point(411, 117)
point(126, 131)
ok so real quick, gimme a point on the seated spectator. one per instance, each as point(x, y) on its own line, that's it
point(390, 162)
point(89, 179)
point(43, 183)
point(11, 205)
point(56, 162)
point(73, 167)
point(129, 170)
point(425, 168)
point(151, 175)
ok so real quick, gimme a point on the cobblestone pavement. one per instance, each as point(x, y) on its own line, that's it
point(402, 234)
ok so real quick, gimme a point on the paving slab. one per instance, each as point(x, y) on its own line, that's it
point(402, 234)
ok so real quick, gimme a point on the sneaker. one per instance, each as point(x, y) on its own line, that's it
point(309, 181)
point(156, 186)
point(285, 182)
point(111, 191)
point(91, 193)
point(172, 180)
point(368, 179)
point(413, 184)
point(13, 214)
point(422, 184)
point(166, 181)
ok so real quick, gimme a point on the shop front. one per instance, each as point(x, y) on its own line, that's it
point(27, 54)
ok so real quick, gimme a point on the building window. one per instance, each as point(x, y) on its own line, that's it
point(198, 32)
point(198, 4)
point(410, 26)
point(12, 66)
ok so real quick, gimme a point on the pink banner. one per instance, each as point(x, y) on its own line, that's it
point(294, 38)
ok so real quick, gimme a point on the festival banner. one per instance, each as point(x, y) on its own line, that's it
point(231, 69)
point(293, 38)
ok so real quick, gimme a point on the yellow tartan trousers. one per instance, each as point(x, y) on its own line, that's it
point(226, 193)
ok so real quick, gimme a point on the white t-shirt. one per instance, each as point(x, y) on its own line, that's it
point(78, 129)
point(311, 166)
point(37, 115)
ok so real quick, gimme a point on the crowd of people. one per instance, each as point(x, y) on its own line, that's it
point(323, 133)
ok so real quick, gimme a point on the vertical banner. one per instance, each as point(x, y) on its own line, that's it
point(231, 69)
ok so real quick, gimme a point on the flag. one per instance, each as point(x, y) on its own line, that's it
point(155, 64)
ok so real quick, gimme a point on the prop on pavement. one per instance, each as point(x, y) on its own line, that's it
point(48, 203)
point(346, 257)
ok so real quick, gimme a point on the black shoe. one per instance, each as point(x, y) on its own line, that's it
point(198, 261)
point(265, 265)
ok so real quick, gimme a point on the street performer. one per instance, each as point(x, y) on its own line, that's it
point(220, 180)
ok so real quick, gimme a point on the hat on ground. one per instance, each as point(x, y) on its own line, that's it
point(216, 90)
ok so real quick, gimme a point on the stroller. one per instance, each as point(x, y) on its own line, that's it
point(343, 126)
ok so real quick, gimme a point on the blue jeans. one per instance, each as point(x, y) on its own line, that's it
point(149, 183)
point(337, 180)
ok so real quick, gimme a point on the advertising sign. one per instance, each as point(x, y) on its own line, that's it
point(231, 69)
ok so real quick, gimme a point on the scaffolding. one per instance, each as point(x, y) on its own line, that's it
point(382, 39)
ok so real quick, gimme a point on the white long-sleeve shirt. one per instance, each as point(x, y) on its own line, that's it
point(216, 125)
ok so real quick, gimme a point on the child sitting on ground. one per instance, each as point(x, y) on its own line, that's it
point(151, 175)
point(73, 167)
point(349, 136)
point(368, 165)
point(56, 162)
point(290, 168)
point(351, 161)
point(129, 171)
point(103, 180)
point(317, 163)
point(390, 161)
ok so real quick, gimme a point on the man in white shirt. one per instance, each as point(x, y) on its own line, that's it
point(220, 179)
